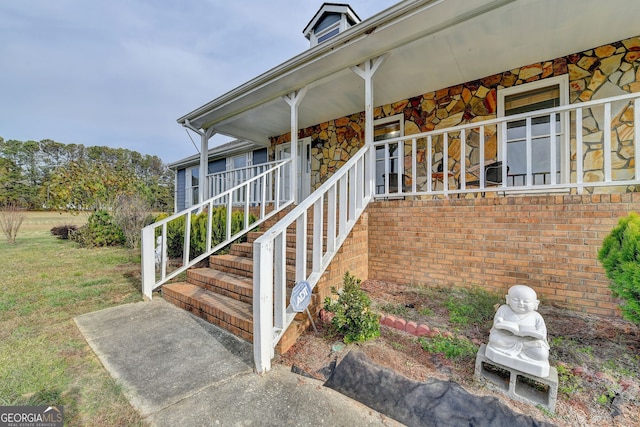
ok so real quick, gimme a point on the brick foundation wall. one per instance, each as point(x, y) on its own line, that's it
point(547, 242)
point(352, 256)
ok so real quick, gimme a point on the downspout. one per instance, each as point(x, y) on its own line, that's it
point(203, 187)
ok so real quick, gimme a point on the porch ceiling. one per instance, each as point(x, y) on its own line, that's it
point(431, 44)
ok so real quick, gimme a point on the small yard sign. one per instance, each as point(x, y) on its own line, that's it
point(301, 296)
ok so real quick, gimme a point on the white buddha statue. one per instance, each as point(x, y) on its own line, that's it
point(518, 338)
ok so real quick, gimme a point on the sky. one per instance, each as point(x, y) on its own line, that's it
point(119, 73)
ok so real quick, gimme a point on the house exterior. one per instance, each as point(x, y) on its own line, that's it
point(453, 142)
point(243, 157)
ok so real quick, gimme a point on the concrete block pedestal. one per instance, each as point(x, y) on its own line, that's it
point(516, 384)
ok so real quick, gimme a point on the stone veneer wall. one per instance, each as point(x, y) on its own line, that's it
point(547, 242)
point(597, 73)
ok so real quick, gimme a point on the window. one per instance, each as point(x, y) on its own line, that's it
point(387, 156)
point(333, 19)
point(326, 35)
point(532, 164)
point(192, 181)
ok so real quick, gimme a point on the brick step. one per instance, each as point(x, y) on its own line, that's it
point(246, 250)
point(239, 265)
point(233, 315)
point(291, 238)
point(227, 284)
point(227, 313)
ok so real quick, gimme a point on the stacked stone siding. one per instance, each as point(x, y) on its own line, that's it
point(547, 242)
point(598, 73)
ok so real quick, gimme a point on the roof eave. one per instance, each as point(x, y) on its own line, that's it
point(349, 36)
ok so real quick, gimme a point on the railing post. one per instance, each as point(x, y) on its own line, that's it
point(579, 149)
point(301, 247)
point(430, 165)
point(445, 161)
point(607, 142)
point(147, 249)
point(263, 305)
point(636, 136)
point(552, 148)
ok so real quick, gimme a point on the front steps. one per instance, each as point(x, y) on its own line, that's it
point(222, 294)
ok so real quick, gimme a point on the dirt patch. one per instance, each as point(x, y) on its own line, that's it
point(598, 359)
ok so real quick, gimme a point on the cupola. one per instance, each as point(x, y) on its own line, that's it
point(329, 21)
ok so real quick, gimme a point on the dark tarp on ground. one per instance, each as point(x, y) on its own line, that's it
point(436, 403)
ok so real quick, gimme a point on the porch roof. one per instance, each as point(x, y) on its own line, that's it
point(431, 44)
point(219, 152)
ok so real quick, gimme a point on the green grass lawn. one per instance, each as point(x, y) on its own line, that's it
point(44, 283)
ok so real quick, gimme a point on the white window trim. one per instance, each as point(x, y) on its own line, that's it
point(390, 119)
point(383, 121)
point(563, 85)
point(188, 191)
point(341, 25)
point(248, 157)
point(562, 82)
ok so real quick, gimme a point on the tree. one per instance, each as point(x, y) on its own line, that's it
point(53, 175)
point(11, 218)
point(620, 257)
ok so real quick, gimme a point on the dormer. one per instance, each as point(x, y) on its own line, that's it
point(329, 21)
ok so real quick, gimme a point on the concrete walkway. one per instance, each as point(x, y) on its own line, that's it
point(178, 370)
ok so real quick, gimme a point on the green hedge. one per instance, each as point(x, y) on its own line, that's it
point(175, 231)
point(100, 230)
point(620, 256)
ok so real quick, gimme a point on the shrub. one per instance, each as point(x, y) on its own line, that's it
point(63, 231)
point(620, 257)
point(175, 231)
point(131, 214)
point(100, 230)
point(352, 317)
point(11, 218)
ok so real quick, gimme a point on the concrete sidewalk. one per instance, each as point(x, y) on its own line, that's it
point(178, 370)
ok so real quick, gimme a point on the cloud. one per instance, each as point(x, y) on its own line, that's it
point(120, 72)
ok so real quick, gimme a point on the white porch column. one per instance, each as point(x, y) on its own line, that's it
point(294, 99)
point(203, 187)
point(366, 71)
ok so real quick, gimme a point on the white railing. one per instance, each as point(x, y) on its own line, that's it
point(155, 259)
point(590, 144)
point(338, 203)
point(223, 181)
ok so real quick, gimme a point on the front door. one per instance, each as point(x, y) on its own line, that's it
point(283, 151)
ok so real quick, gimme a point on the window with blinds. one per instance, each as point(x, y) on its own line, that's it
point(519, 101)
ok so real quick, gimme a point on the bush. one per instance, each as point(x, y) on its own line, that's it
point(63, 231)
point(11, 218)
point(101, 230)
point(175, 231)
point(131, 214)
point(352, 317)
point(620, 257)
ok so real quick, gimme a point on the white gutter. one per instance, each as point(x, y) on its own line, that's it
point(350, 36)
point(319, 56)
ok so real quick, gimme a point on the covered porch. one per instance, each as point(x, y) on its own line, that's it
point(417, 103)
